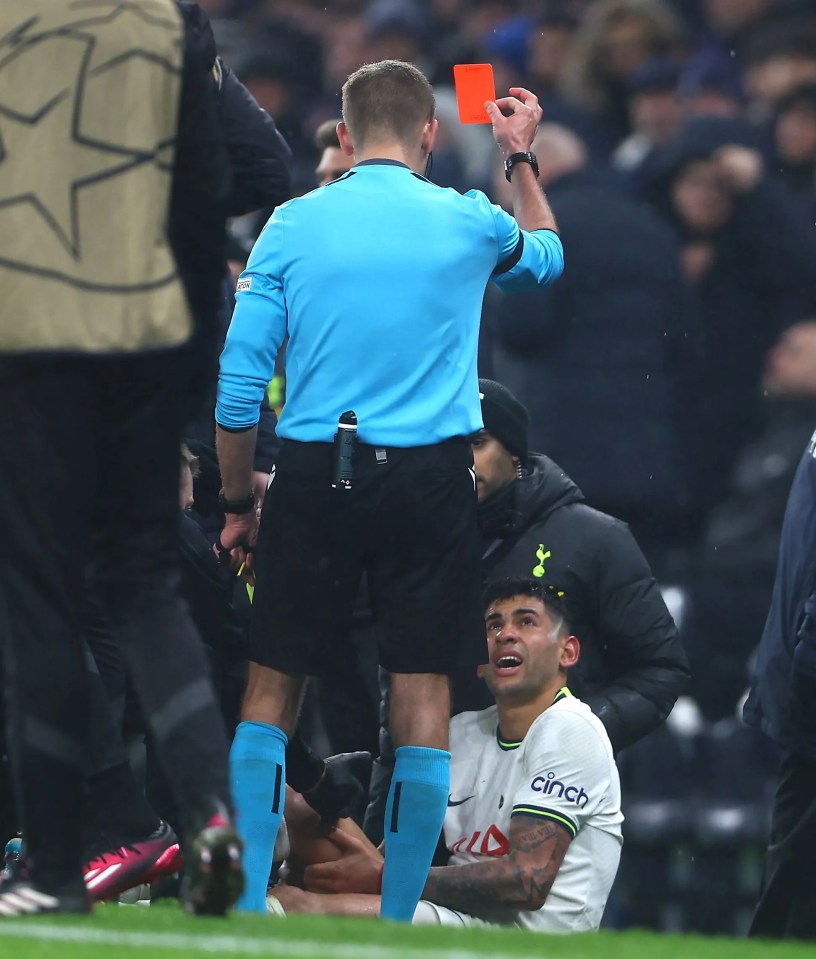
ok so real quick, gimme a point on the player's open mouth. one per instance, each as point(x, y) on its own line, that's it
point(506, 664)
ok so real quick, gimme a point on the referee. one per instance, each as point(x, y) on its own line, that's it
point(377, 279)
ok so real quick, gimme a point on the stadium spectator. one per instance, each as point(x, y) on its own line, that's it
point(655, 111)
point(269, 71)
point(710, 85)
point(397, 30)
point(778, 58)
point(549, 48)
point(615, 38)
point(333, 162)
point(367, 264)
point(532, 827)
point(748, 251)
point(608, 342)
point(794, 131)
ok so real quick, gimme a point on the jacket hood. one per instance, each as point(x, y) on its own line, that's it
point(544, 487)
point(698, 139)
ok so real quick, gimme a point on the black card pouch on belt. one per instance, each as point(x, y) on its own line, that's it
point(345, 440)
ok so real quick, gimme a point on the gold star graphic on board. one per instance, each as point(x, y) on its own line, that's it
point(49, 21)
point(26, 176)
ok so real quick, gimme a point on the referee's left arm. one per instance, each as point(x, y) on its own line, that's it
point(247, 364)
point(526, 259)
point(529, 252)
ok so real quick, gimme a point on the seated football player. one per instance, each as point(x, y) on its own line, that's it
point(533, 825)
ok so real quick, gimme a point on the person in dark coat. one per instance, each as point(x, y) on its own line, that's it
point(728, 579)
point(600, 360)
point(748, 251)
point(98, 355)
point(535, 522)
point(259, 179)
point(782, 703)
point(260, 158)
point(794, 135)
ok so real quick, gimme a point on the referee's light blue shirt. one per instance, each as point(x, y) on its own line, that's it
point(377, 279)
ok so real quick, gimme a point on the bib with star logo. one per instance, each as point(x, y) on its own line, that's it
point(89, 100)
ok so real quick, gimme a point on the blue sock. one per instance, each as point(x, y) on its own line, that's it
point(414, 813)
point(258, 783)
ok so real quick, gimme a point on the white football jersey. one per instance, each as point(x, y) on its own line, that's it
point(562, 770)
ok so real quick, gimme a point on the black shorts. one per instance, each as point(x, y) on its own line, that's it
point(409, 523)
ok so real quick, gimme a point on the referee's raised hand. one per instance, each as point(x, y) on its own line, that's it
point(514, 133)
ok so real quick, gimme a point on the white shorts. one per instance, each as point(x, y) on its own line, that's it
point(429, 914)
point(282, 845)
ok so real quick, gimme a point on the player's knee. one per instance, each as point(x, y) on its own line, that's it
point(420, 710)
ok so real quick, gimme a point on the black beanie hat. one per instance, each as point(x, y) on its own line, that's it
point(505, 418)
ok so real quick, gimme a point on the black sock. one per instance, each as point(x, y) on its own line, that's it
point(117, 806)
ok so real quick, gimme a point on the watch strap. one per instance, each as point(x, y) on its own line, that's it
point(240, 506)
point(515, 158)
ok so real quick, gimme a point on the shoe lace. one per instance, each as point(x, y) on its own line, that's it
point(117, 851)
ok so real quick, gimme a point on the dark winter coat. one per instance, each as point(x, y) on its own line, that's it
point(741, 535)
point(632, 666)
point(598, 359)
point(260, 158)
point(762, 278)
point(782, 701)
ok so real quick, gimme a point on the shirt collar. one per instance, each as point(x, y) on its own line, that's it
point(507, 744)
point(381, 161)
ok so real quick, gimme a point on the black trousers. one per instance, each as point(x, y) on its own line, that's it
point(787, 904)
point(90, 454)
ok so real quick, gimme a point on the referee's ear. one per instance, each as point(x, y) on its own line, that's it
point(429, 132)
point(344, 137)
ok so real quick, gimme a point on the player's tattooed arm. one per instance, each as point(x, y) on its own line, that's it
point(518, 881)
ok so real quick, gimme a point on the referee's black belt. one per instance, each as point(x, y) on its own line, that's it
point(315, 456)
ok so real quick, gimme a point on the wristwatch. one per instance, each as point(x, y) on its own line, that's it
point(515, 158)
point(245, 505)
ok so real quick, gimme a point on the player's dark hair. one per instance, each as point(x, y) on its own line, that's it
point(325, 135)
point(550, 596)
point(389, 99)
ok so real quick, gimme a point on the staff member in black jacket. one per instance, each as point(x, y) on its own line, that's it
point(534, 522)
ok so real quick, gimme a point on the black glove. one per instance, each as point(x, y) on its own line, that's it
point(341, 789)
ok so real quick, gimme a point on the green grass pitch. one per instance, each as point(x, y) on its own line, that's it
point(115, 932)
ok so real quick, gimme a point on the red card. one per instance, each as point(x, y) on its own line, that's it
point(474, 86)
